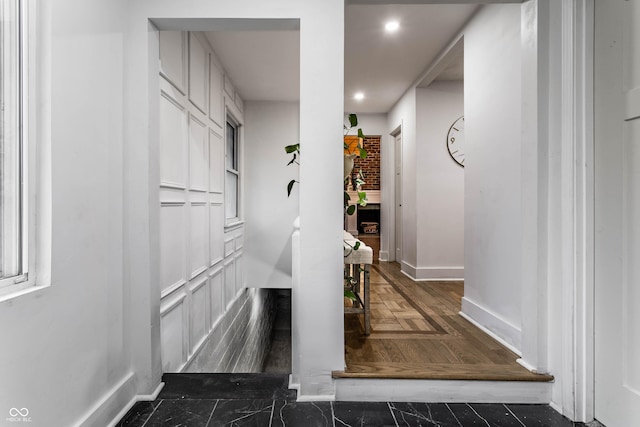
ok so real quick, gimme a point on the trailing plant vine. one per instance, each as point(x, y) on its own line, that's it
point(353, 148)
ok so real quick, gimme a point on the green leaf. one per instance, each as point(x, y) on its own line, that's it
point(346, 197)
point(362, 198)
point(363, 153)
point(353, 120)
point(360, 133)
point(357, 245)
point(351, 209)
point(349, 294)
point(292, 148)
point(290, 187)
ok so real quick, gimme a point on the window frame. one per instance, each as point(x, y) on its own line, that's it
point(22, 154)
point(34, 111)
point(232, 121)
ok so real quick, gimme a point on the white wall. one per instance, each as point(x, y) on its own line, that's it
point(67, 347)
point(440, 184)
point(269, 213)
point(492, 171)
point(432, 184)
point(82, 349)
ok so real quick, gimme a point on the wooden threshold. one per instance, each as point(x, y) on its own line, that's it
point(438, 371)
point(417, 333)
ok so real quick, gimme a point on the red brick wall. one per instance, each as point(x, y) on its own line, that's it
point(371, 165)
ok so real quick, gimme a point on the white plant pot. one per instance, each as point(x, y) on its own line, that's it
point(348, 164)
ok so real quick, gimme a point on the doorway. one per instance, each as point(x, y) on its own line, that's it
point(397, 149)
point(218, 304)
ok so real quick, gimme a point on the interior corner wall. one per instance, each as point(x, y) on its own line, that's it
point(492, 99)
point(439, 184)
point(403, 115)
point(269, 213)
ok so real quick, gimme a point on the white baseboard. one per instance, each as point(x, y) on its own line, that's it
point(139, 398)
point(493, 325)
point(316, 397)
point(294, 382)
point(119, 396)
point(528, 366)
point(432, 274)
point(446, 391)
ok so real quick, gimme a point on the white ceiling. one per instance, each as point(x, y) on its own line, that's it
point(264, 65)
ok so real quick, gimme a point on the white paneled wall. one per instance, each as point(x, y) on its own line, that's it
point(201, 261)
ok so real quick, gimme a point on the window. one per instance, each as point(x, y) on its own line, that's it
point(232, 166)
point(13, 149)
point(20, 113)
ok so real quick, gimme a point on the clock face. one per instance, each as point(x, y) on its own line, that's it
point(455, 141)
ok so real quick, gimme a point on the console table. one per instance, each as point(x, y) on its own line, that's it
point(357, 264)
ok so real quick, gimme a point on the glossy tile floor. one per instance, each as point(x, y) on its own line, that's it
point(263, 400)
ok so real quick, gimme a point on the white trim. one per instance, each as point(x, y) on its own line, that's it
point(432, 274)
point(493, 325)
point(316, 398)
point(138, 398)
point(529, 367)
point(383, 256)
point(535, 16)
point(34, 101)
point(396, 390)
point(294, 384)
point(577, 209)
point(17, 293)
point(102, 411)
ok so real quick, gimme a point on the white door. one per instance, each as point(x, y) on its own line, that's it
point(617, 213)
point(398, 193)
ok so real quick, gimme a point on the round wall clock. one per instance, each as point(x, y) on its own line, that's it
point(455, 141)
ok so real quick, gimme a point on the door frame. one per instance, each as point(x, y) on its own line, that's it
point(397, 222)
point(558, 200)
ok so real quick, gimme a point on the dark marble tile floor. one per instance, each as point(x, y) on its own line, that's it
point(263, 400)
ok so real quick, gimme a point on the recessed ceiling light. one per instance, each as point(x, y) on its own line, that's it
point(358, 96)
point(391, 26)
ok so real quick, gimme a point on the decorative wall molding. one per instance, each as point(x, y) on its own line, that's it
point(171, 304)
point(194, 242)
point(229, 245)
point(198, 73)
point(216, 82)
point(173, 58)
point(171, 289)
point(172, 185)
point(237, 341)
point(198, 272)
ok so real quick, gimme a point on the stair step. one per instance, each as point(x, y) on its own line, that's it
point(226, 386)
